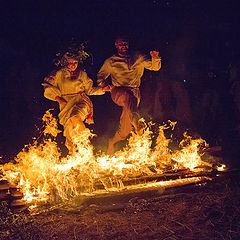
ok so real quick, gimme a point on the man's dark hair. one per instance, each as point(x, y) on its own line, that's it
point(122, 37)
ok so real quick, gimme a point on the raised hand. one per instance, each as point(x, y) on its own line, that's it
point(154, 54)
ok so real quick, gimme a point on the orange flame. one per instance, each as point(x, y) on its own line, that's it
point(43, 175)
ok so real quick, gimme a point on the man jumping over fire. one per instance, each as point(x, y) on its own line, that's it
point(70, 87)
point(126, 71)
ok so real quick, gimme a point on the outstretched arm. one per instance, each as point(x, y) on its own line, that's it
point(88, 86)
point(104, 73)
point(155, 63)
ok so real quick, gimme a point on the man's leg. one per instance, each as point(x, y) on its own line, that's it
point(125, 128)
point(124, 97)
point(121, 97)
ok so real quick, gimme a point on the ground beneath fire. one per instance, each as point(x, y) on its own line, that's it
point(210, 211)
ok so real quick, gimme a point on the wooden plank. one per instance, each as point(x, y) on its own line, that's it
point(155, 177)
point(4, 187)
point(18, 205)
point(4, 196)
point(16, 195)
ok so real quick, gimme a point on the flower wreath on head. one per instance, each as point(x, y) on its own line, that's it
point(74, 52)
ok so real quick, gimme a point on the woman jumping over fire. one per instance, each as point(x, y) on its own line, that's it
point(70, 87)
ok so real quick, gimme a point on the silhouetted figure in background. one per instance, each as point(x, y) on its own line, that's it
point(206, 96)
point(169, 100)
point(172, 102)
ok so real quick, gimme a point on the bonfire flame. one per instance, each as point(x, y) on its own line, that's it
point(43, 175)
point(188, 156)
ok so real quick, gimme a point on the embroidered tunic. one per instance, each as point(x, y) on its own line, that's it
point(75, 90)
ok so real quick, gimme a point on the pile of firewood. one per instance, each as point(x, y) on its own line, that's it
point(12, 195)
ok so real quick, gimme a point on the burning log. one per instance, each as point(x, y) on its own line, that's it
point(18, 204)
point(45, 176)
point(11, 194)
point(155, 184)
point(4, 190)
point(182, 174)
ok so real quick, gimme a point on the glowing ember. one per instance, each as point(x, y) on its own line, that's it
point(43, 175)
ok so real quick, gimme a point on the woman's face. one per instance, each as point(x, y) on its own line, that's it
point(72, 64)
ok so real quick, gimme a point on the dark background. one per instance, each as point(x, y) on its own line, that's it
point(197, 39)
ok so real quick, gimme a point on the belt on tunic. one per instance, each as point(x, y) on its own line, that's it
point(72, 94)
point(134, 90)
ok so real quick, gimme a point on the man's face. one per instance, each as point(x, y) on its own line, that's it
point(122, 46)
point(72, 64)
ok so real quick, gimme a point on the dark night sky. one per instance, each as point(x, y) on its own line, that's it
point(39, 29)
point(32, 32)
